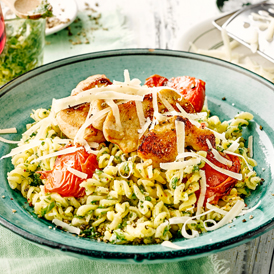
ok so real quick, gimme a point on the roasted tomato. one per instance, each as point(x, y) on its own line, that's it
point(218, 183)
point(156, 81)
point(191, 88)
point(64, 182)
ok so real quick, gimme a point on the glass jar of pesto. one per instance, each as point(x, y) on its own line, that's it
point(23, 51)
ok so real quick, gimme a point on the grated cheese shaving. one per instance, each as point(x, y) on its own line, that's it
point(170, 245)
point(69, 228)
point(41, 131)
point(81, 98)
point(245, 211)
point(116, 113)
point(229, 173)
point(250, 145)
point(239, 155)
point(234, 146)
point(144, 128)
point(234, 211)
point(166, 103)
point(179, 165)
point(126, 76)
point(194, 232)
point(35, 127)
point(57, 153)
point(93, 144)
point(111, 158)
point(180, 133)
point(140, 113)
point(191, 116)
point(155, 108)
point(8, 141)
point(62, 141)
point(202, 193)
point(217, 155)
point(178, 220)
point(8, 130)
point(77, 173)
point(220, 136)
point(216, 209)
point(22, 148)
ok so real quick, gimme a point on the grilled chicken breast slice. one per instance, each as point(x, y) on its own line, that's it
point(70, 120)
point(160, 144)
point(128, 138)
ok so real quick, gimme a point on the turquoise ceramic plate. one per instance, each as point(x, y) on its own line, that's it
point(244, 91)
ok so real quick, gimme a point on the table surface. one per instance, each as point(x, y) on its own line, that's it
point(159, 24)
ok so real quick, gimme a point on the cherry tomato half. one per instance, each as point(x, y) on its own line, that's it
point(218, 183)
point(191, 88)
point(64, 182)
point(156, 81)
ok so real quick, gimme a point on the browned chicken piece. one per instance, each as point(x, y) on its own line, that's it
point(70, 120)
point(128, 138)
point(160, 144)
point(98, 80)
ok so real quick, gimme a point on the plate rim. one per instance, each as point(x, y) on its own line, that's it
point(156, 255)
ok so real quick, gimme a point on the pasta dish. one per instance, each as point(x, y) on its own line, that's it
point(127, 163)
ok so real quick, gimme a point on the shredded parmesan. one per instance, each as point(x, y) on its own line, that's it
point(93, 144)
point(41, 131)
point(116, 113)
point(111, 158)
point(178, 220)
point(170, 245)
point(220, 136)
point(69, 228)
point(73, 101)
point(234, 211)
point(140, 113)
point(239, 155)
point(22, 148)
point(8, 130)
point(8, 141)
point(202, 193)
point(229, 173)
point(144, 128)
point(217, 155)
point(166, 103)
point(245, 211)
point(35, 127)
point(234, 146)
point(250, 145)
point(155, 108)
point(57, 153)
point(194, 232)
point(77, 173)
point(179, 165)
point(62, 141)
point(180, 133)
point(216, 209)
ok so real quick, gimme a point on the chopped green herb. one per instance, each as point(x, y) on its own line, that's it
point(36, 181)
point(174, 182)
point(47, 209)
point(166, 230)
